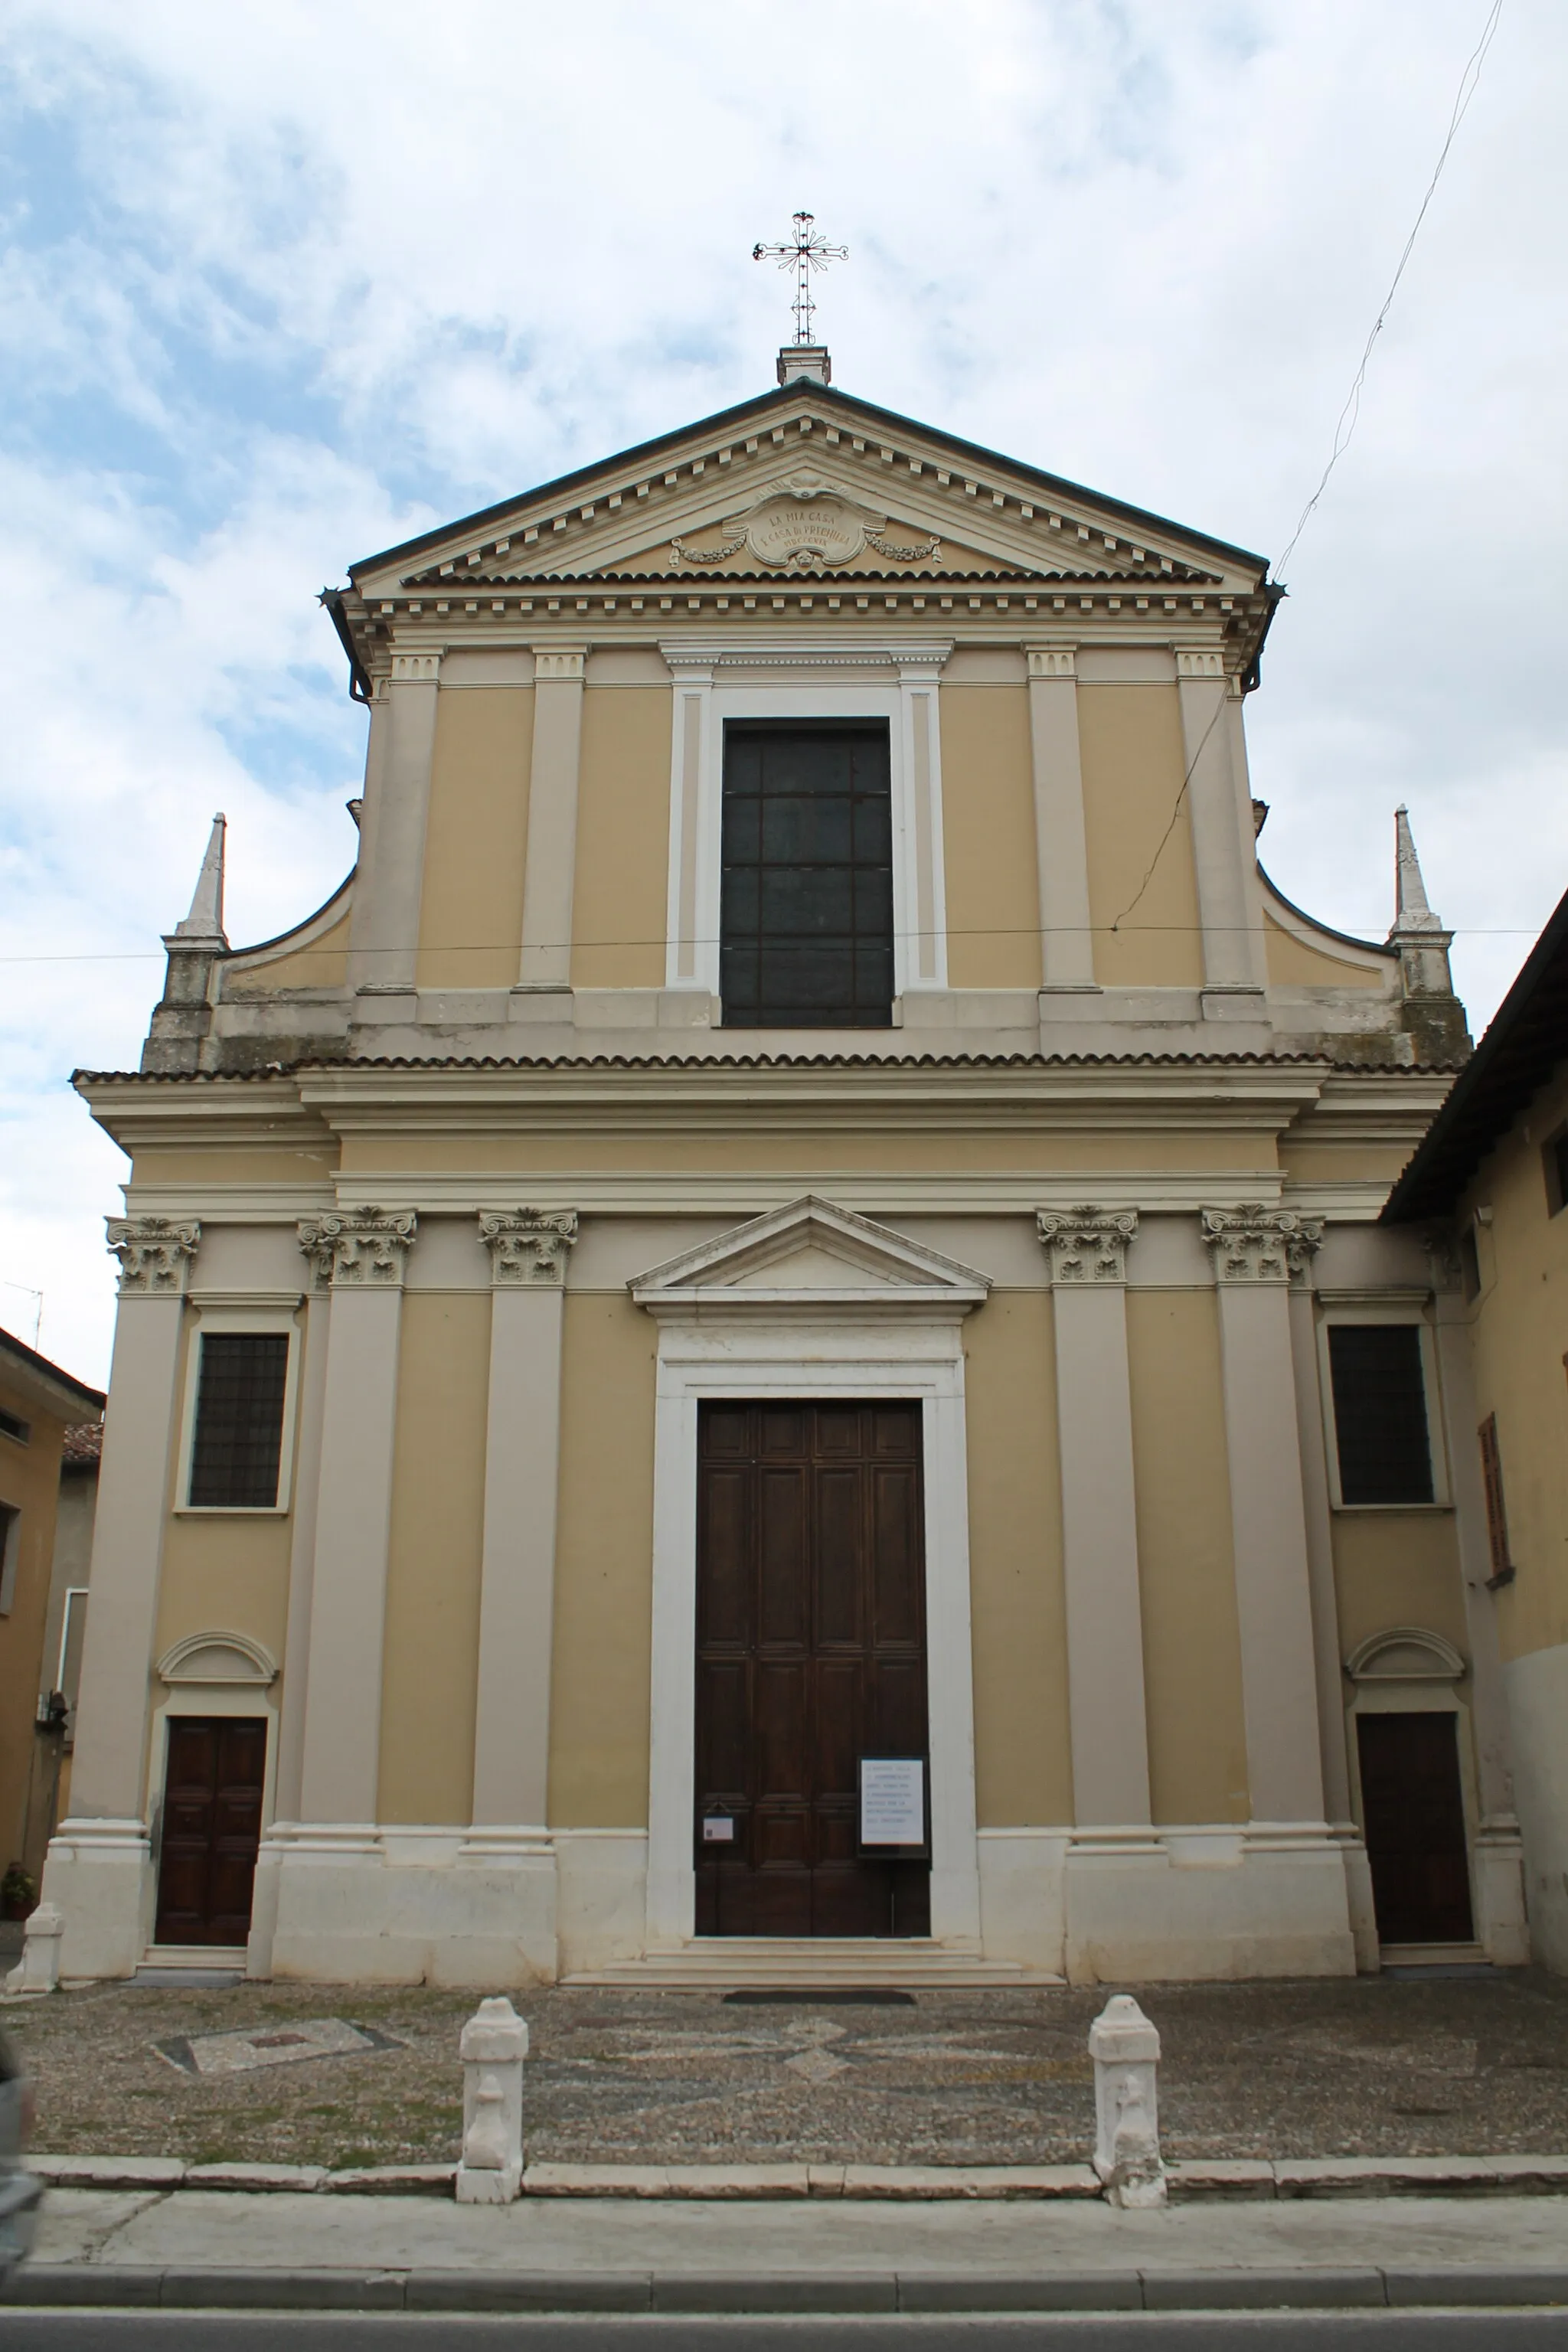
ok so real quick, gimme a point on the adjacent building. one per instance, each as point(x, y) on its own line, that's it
point(1491, 1183)
point(43, 1413)
point(767, 1350)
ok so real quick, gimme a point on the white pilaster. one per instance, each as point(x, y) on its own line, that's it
point(342, 1745)
point(1501, 1923)
point(1252, 1249)
point(384, 937)
point(1087, 1252)
point(923, 960)
point(99, 1870)
point(1223, 851)
point(528, 1250)
point(550, 871)
point(1066, 942)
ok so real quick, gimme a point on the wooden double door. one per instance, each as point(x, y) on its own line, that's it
point(810, 1654)
point(211, 1828)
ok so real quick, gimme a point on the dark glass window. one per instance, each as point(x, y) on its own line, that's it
point(807, 906)
point(1380, 1412)
point(239, 1420)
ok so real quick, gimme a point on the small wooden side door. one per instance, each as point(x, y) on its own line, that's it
point(212, 1827)
point(1413, 1814)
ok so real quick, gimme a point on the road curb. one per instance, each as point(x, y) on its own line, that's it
point(45, 2286)
point(1203, 2177)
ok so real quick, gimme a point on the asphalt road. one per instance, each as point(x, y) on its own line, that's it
point(199, 2331)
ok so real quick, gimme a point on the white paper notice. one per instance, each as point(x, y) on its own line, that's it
point(892, 1800)
point(716, 1830)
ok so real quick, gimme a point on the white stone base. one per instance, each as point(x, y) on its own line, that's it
point(601, 1897)
point(349, 1904)
point(99, 1875)
point(1502, 1926)
point(1137, 1906)
point(1536, 1687)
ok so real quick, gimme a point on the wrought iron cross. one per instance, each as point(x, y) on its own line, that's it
point(808, 252)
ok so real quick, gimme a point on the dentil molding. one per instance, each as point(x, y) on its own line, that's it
point(1252, 1243)
point(360, 1248)
point(1087, 1245)
point(528, 1247)
point(154, 1253)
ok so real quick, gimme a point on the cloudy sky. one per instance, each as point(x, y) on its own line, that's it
point(282, 284)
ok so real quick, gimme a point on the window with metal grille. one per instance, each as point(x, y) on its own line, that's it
point(1496, 1515)
point(806, 896)
point(1380, 1412)
point(238, 1440)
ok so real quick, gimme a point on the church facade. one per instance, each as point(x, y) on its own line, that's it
point(764, 1352)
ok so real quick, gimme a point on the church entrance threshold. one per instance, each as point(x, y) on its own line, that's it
point(810, 1658)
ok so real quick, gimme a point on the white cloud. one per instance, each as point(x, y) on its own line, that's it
point(286, 283)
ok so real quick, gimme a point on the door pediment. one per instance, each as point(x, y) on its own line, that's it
point(814, 1259)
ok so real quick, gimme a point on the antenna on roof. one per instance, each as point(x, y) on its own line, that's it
point(805, 356)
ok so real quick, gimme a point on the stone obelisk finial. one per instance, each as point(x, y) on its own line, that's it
point(182, 1018)
point(1433, 1016)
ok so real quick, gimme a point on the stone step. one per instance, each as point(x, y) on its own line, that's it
point(813, 1964)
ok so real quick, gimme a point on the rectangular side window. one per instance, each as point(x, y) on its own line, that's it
point(10, 1546)
point(1380, 1412)
point(805, 922)
point(1496, 1515)
point(1554, 1161)
point(238, 1440)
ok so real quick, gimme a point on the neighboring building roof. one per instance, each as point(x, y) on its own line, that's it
point(1525, 1045)
point(57, 1390)
point(83, 1446)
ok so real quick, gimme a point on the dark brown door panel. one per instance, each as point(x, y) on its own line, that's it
point(211, 1828)
point(811, 1653)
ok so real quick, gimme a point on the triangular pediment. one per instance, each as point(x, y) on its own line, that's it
point(810, 1254)
point(811, 481)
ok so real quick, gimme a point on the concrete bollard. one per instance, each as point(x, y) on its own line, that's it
point(1125, 2049)
point(39, 1970)
point(493, 2047)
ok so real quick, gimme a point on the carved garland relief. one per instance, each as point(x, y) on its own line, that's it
point(804, 526)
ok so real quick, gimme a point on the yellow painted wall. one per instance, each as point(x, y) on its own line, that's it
point(310, 1164)
point(1023, 1752)
point(1291, 964)
point(29, 1482)
point(224, 1574)
point(430, 1661)
point(823, 1156)
point(1397, 1568)
point(1521, 1322)
point(1192, 1639)
point(988, 837)
point(322, 964)
point(1130, 741)
point(604, 1588)
point(620, 906)
point(476, 836)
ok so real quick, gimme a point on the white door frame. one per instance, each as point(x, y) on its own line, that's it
point(879, 1337)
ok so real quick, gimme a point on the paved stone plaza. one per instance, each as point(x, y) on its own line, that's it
point(1368, 2067)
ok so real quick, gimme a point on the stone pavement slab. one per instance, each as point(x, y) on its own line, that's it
point(142, 2247)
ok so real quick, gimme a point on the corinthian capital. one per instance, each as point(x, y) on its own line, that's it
point(1252, 1243)
point(154, 1253)
point(528, 1247)
point(1087, 1245)
point(360, 1248)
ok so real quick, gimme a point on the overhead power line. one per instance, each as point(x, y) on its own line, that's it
point(1351, 411)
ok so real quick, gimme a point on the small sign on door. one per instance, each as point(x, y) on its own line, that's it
point(893, 1805)
point(718, 1829)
